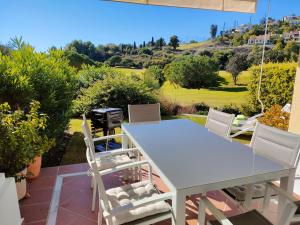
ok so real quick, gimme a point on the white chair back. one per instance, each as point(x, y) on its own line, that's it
point(219, 122)
point(275, 144)
point(144, 113)
point(88, 135)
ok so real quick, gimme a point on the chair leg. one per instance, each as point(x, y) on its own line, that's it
point(92, 182)
point(94, 197)
point(99, 218)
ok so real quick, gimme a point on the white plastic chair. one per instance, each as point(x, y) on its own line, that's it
point(144, 113)
point(278, 145)
point(252, 217)
point(105, 160)
point(137, 203)
point(219, 123)
point(245, 126)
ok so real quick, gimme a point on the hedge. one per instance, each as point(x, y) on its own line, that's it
point(277, 84)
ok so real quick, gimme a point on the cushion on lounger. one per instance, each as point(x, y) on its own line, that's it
point(249, 218)
point(112, 161)
point(130, 193)
point(239, 192)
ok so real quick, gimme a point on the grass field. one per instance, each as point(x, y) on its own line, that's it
point(227, 93)
point(224, 95)
point(129, 71)
point(193, 45)
point(75, 150)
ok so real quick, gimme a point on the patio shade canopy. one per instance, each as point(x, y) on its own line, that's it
point(245, 6)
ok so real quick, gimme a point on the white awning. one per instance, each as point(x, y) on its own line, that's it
point(245, 6)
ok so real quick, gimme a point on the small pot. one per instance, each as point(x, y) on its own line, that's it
point(21, 185)
point(34, 168)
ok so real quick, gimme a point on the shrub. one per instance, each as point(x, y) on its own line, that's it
point(274, 117)
point(154, 76)
point(78, 60)
point(115, 60)
point(193, 72)
point(231, 109)
point(22, 138)
point(26, 75)
point(116, 91)
point(168, 107)
point(277, 84)
point(89, 74)
point(202, 108)
point(189, 109)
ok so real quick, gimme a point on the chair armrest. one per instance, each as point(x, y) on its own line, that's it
point(116, 152)
point(138, 203)
point(124, 167)
point(107, 137)
point(216, 213)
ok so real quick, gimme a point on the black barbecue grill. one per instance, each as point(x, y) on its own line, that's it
point(106, 120)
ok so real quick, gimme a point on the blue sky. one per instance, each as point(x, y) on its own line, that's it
point(44, 23)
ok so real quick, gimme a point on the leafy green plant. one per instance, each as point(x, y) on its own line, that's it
point(116, 91)
point(22, 138)
point(231, 109)
point(89, 74)
point(277, 84)
point(26, 75)
point(193, 72)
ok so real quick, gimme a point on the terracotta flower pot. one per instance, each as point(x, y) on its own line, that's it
point(21, 185)
point(34, 168)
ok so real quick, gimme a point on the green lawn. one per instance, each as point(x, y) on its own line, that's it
point(193, 45)
point(213, 97)
point(75, 150)
point(227, 93)
point(129, 71)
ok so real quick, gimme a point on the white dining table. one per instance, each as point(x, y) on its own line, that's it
point(191, 160)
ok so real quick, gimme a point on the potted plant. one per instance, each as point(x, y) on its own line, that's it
point(21, 141)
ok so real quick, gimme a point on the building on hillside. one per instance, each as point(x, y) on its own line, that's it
point(243, 28)
point(259, 40)
point(291, 36)
point(292, 19)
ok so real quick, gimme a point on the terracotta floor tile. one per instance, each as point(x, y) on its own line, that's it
point(41, 183)
point(34, 213)
point(67, 217)
point(74, 168)
point(38, 197)
point(76, 196)
point(43, 222)
point(49, 171)
point(80, 203)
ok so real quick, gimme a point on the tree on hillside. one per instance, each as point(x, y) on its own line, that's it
point(144, 44)
point(134, 45)
point(152, 42)
point(291, 50)
point(174, 42)
point(236, 65)
point(160, 43)
point(279, 44)
point(213, 31)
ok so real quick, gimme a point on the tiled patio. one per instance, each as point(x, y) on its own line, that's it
point(62, 196)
